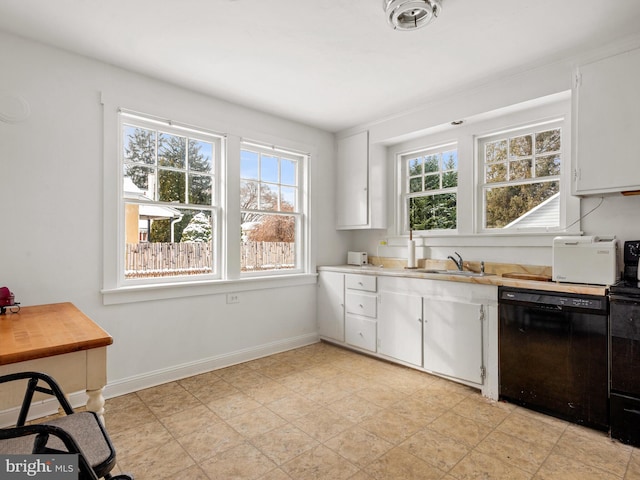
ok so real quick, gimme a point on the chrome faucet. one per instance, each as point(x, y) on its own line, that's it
point(457, 262)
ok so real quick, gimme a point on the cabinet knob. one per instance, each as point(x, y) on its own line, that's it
point(361, 306)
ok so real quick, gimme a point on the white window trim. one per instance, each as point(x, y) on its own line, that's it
point(465, 135)
point(302, 225)
point(218, 140)
point(403, 188)
point(114, 293)
point(565, 169)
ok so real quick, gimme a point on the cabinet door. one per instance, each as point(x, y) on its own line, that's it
point(606, 124)
point(330, 305)
point(353, 181)
point(453, 339)
point(400, 327)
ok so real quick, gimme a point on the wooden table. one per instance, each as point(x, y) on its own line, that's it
point(59, 340)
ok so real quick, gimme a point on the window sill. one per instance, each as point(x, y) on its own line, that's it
point(143, 293)
point(540, 239)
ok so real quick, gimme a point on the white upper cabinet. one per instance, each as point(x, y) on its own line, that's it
point(360, 184)
point(606, 125)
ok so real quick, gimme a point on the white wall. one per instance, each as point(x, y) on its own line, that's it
point(52, 231)
point(617, 215)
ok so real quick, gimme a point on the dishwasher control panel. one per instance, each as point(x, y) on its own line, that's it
point(555, 301)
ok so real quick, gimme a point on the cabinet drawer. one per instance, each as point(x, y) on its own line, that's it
point(625, 419)
point(360, 332)
point(361, 282)
point(361, 304)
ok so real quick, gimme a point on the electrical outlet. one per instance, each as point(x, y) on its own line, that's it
point(233, 298)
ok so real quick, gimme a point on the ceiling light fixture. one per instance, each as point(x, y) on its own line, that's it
point(411, 14)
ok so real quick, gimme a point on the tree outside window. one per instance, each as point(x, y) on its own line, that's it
point(430, 186)
point(521, 186)
point(169, 191)
point(270, 209)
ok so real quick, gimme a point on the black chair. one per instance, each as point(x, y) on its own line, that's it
point(81, 433)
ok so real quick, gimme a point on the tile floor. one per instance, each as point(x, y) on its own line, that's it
point(322, 412)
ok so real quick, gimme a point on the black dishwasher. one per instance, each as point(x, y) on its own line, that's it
point(553, 351)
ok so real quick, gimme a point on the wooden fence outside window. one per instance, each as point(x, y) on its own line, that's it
point(148, 260)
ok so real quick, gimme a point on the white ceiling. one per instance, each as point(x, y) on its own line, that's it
point(328, 63)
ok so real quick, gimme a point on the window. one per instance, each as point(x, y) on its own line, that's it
point(499, 175)
point(430, 188)
point(170, 197)
point(521, 178)
point(174, 224)
point(271, 209)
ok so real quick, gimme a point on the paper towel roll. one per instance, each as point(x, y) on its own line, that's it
point(411, 254)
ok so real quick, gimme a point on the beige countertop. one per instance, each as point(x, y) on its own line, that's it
point(497, 279)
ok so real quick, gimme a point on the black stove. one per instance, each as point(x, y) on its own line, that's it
point(624, 328)
point(625, 287)
point(629, 284)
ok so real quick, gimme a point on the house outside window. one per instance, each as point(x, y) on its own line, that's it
point(511, 177)
point(430, 188)
point(170, 187)
point(520, 182)
point(272, 210)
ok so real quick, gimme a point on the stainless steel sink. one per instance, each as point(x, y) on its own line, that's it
point(460, 273)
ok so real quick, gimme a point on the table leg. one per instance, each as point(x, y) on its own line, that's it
point(95, 403)
point(96, 380)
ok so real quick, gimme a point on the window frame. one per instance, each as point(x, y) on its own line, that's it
point(135, 119)
point(481, 185)
point(468, 233)
point(300, 210)
point(112, 290)
point(405, 182)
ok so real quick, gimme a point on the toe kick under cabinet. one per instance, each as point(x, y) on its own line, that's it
point(361, 310)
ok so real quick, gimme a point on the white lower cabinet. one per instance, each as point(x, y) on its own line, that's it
point(437, 326)
point(400, 327)
point(360, 332)
point(361, 306)
point(453, 334)
point(330, 305)
point(361, 303)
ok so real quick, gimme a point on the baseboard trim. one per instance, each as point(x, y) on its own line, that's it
point(158, 377)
